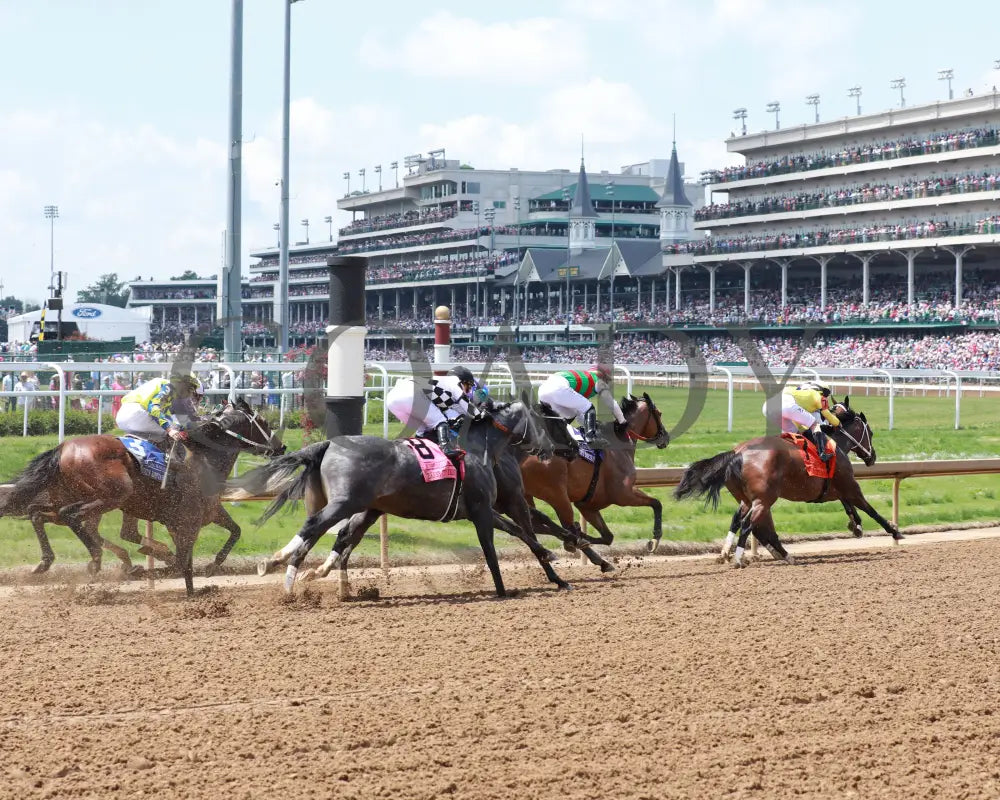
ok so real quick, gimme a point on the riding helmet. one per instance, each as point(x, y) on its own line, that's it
point(464, 374)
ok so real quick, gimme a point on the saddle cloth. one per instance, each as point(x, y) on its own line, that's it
point(810, 456)
point(152, 460)
point(434, 464)
point(587, 453)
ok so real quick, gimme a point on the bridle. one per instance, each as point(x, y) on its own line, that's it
point(254, 419)
point(863, 449)
point(654, 412)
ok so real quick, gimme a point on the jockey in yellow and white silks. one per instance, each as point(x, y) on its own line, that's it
point(569, 393)
point(805, 408)
point(148, 410)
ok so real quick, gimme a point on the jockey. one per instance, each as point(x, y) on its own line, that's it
point(569, 393)
point(148, 410)
point(447, 397)
point(805, 407)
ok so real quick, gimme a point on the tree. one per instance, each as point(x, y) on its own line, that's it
point(187, 275)
point(107, 289)
point(12, 303)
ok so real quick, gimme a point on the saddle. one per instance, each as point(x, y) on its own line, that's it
point(585, 451)
point(151, 459)
point(810, 456)
point(436, 466)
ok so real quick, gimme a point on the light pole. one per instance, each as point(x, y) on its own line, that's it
point(347, 177)
point(741, 115)
point(276, 227)
point(813, 100)
point(855, 92)
point(305, 224)
point(609, 190)
point(394, 166)
point(361, 174)
point(517, 277)
point(329, 221)
point(52, 214)
point(899, 83)
point(774, 107)
point(378, 171)
point(283, 238)
point(569, 209)
point(947, 75)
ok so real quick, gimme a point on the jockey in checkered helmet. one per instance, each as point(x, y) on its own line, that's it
point(431, 405)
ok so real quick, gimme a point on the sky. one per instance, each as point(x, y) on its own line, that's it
point(117, 111)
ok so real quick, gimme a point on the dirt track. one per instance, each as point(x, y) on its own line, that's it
point(857, 674)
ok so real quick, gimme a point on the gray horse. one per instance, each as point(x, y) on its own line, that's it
point(363, 477)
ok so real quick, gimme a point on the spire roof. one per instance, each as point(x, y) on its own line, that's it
point(673, 191)
point(582, 205)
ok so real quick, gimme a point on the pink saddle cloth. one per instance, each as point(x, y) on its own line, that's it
point(434, 465)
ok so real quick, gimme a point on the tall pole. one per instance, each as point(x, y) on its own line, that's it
point(232, 300)
point(281, 301)
point(569, 208)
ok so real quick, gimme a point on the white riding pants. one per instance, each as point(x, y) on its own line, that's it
point(568, 404)
point(413, 409)
point(793, 416)
point(133, 418)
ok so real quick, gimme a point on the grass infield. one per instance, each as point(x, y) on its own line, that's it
point(923, 430)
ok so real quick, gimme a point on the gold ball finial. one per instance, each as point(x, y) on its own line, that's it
point(442, 312)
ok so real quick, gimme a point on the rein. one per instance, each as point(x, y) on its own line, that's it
point(254, 420)
point(858, 444)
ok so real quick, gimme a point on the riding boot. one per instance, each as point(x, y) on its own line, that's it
point(590, 432)
point(444, 440)
point(819, 439)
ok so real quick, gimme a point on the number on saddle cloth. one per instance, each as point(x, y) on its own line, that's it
point(434, 464)
point(151, 459)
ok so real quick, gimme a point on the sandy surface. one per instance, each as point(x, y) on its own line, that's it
point(863, 673)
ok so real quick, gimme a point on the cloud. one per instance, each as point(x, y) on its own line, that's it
point(460, 48)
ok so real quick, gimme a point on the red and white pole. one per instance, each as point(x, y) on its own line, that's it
point(442, 339)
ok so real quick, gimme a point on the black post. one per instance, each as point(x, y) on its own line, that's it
point(345, 381)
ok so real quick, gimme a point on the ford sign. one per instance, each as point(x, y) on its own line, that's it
point(86, 312)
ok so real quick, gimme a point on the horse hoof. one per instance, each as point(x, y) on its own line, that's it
point(42, 567)
point(263, 567)
point(135, 571)
point(722, 558)
point(569, 547)
point(308, 575)
point(790, 560)
point(94, 567)
point(565, 587)
point(652, 545)
point(548, 556)
point(606, 568)
point(211, 569)
point(738, 564)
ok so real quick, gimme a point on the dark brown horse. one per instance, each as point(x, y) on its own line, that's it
point(760, 471)
point(84, 478)
point(592, 487)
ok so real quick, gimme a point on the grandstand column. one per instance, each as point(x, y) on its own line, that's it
point(380, 307)
point(711, 286)
point(911, 258)
point(442, 338)
point(746, 286)
point(783, 263)
point(822, 261)
point(345, 382)
point(677, 287)
point(959, 254)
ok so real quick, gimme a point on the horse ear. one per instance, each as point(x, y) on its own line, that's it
point(847, 401)
point(632, 397)
point(647, 398)
point(526, 398)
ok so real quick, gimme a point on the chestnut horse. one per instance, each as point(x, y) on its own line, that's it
point(86, 477)
point(592, 487)
point(760, 471)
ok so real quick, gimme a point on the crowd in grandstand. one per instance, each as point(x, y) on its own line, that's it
point(883, 232)
point(399, 220)
point(854, 195)
point(882, 151)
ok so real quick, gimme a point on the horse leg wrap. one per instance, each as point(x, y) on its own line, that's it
point(738, 557)
point(286, 552)
point(730, 541)
point(290, 574)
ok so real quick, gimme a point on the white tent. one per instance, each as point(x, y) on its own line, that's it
point(94, 320)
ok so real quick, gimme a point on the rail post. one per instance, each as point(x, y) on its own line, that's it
point(62, 401)
point(958, 394)
point(892, 395)
point(150, 561)
point(729, 402)
point(383, 541)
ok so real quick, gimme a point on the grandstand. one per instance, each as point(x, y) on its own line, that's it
point(883, 227)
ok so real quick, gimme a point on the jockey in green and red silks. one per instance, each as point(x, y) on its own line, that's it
point(569, 393)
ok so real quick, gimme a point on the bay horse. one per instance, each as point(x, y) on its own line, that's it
point(363, 477)
point(86, 477)
point(760, 471)
point(593, 487)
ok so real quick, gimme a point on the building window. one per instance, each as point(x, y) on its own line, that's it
point(499, 204)
point(470, 187)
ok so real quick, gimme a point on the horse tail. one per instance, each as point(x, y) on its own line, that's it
point(41, 472)
point(708, 476)
point(278, 476)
